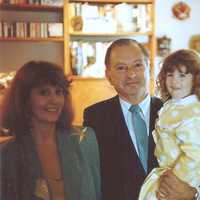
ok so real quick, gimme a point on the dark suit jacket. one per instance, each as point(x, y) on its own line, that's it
point(79, 156)
point(121, 170)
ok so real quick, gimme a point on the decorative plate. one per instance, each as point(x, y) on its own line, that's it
point(181, 10)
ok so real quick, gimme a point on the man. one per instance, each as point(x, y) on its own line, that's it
point(121, 167)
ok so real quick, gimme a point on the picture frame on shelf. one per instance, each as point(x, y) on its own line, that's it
point(194, 43)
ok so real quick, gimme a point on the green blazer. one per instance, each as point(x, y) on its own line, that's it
point(79, 156)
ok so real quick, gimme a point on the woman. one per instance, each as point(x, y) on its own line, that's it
point(49, 159)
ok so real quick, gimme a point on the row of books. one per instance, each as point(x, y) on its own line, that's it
point(113, 18)
point(31, 29)
point(36, 2)
point(88, 58)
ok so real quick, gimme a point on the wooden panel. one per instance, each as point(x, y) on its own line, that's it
point(149, 33)
point(115, 1)
point(27, 39)
point(85, 92)
point(30, 7)
point(67, 57)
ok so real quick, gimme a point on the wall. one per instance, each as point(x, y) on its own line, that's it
point(179, 31)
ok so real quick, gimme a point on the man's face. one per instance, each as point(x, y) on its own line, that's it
point(128, 72)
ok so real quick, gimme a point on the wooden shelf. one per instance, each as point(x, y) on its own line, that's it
point(149, 33)
point(114, 1)
point(6, 39)
point(30, 7)
point(87, 78)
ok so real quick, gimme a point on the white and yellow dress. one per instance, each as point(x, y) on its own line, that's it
point(177, 139)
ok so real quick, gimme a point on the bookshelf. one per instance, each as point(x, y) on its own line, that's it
point(25, 33)
point(87, 90)
point(11, 31)
point(78, 33)
point(30, 7)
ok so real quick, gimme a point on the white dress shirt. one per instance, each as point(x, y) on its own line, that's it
point(145, 107)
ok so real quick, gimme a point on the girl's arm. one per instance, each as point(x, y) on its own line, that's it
point(187, 166)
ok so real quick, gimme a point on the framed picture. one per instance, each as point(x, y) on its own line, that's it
point(195, 43)
point(163, 46)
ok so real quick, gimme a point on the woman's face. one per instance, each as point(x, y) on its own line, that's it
point(46, 103)
point(179, 83)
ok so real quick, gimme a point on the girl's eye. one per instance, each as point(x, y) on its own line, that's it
point(138, 65)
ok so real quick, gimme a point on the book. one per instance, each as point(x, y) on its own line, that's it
point(52, 2)
point(55, 29)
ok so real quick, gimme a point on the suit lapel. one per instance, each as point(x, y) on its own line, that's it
point(119, 124)
point(69, 154)
point(120, 127)
point(155, 106)
point(128, 160)
point(123, 136)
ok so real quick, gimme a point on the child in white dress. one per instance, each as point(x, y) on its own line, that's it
point(177, 130)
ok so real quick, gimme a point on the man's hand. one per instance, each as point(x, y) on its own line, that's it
point(172, 188)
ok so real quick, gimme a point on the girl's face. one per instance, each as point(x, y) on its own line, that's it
point(46, 103)
point(179, 83)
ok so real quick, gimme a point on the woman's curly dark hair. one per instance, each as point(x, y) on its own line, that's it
point(15, 115)
point(183, 57)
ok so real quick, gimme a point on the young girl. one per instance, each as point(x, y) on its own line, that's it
point(177, 131)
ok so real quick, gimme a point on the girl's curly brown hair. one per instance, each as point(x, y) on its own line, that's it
point(183, 57)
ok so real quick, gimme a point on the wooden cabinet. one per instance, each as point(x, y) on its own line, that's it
point(87, 90)
point(80, 28)
point(24, 34)
point(102, 21)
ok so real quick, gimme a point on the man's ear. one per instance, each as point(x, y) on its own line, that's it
point(107, 74)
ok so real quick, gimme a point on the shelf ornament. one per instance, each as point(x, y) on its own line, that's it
point(181, 10)
point(5, 79)
point(163, 46)
point(194, 43)
point(77, 23)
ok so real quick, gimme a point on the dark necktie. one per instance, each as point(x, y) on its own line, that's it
point(140, 130)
